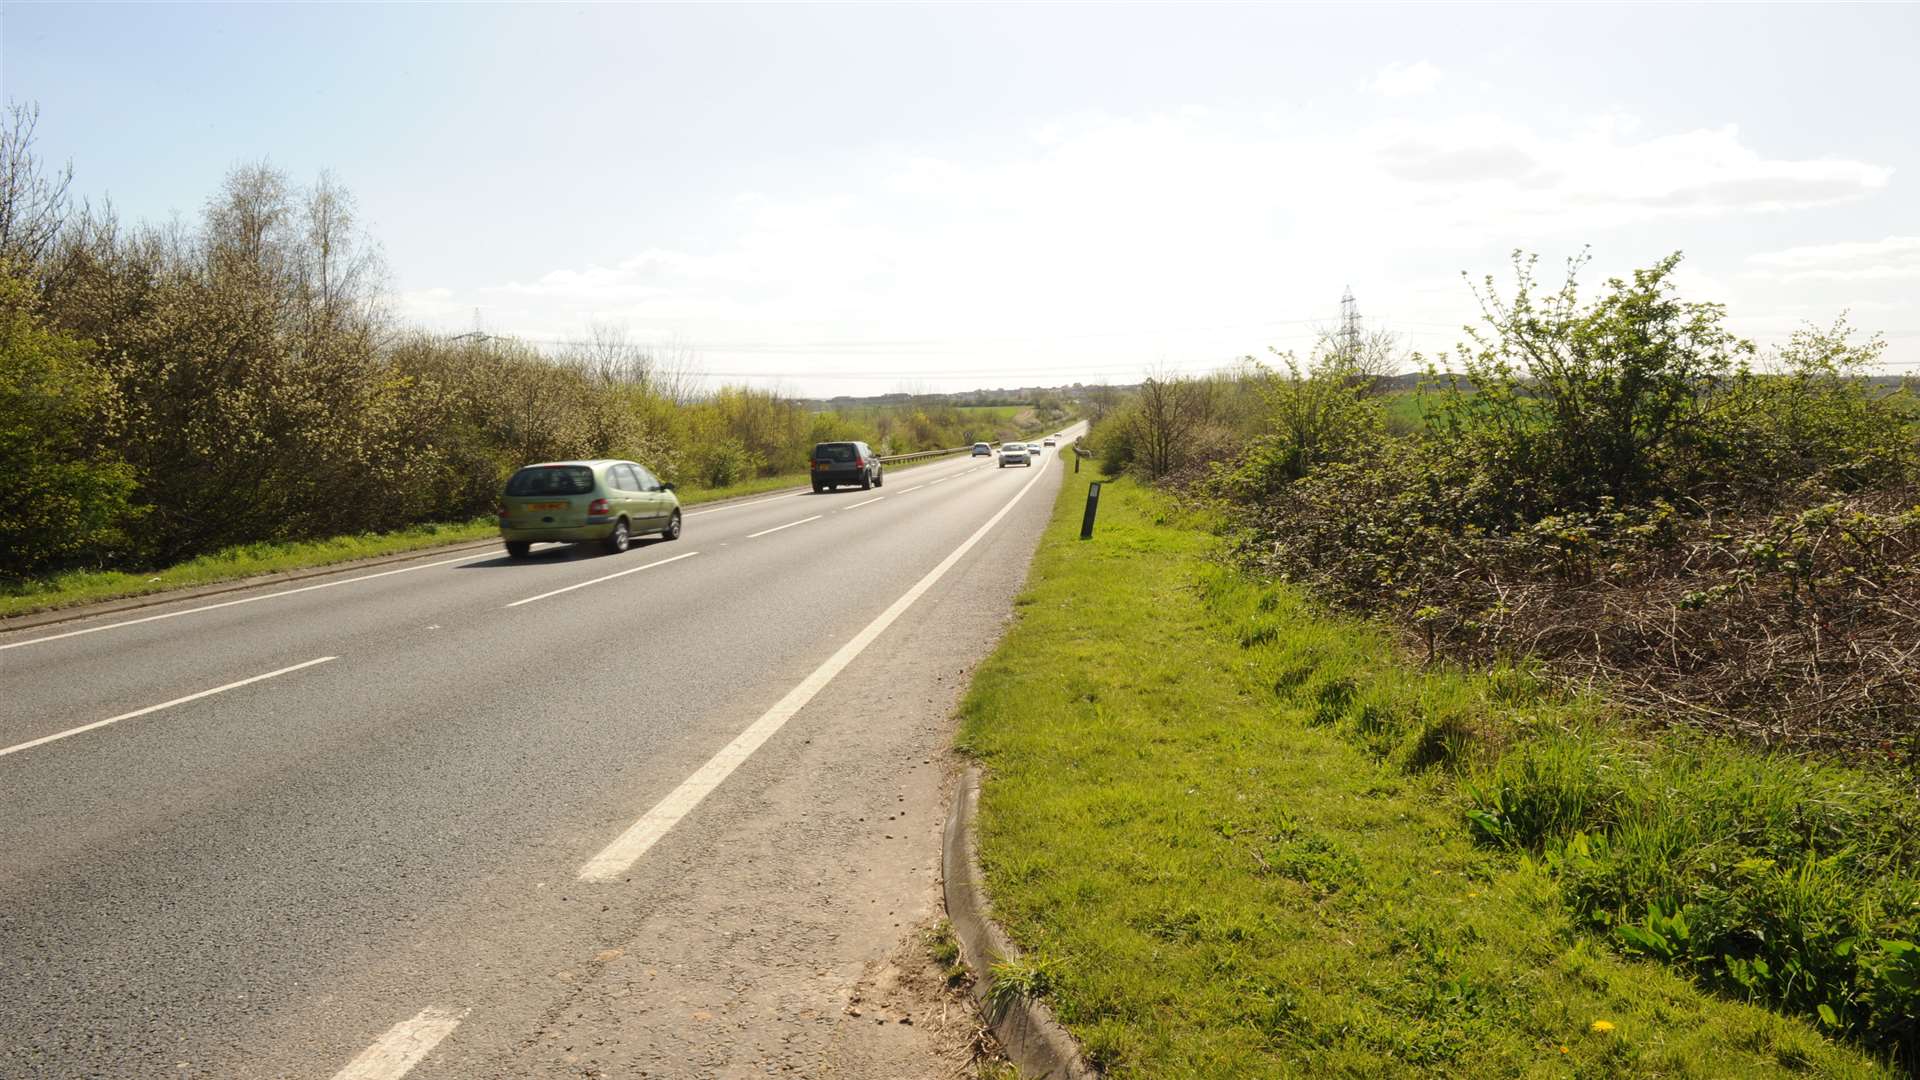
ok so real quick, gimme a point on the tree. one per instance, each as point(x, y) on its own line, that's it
point(1616, 399)
point(1166, 413)
point(33, 204)
point(1314, 414)
point(1370, 362)
point(67, 496)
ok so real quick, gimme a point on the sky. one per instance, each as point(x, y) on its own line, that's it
point(864, 199)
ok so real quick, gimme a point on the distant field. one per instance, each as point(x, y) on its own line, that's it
point(1408, 409)
point(995, 412)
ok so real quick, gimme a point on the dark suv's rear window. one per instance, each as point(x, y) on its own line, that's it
point(551, 480)
point(834, 451)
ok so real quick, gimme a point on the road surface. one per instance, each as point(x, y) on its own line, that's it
point(639, 815)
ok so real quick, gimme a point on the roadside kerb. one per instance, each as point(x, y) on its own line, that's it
point(195, 592)
point(278, 577)
point(1037, 1043)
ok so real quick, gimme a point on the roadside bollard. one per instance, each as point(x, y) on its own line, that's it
point(1093, 507)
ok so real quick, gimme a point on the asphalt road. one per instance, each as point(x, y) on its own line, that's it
point(376, 826)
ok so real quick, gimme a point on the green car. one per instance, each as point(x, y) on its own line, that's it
point(583, 502)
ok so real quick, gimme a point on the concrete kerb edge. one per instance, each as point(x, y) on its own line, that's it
point(1036, 1042)
point(194, 592)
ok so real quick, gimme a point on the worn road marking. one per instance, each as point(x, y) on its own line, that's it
point(942, 480)
point(913, 489)
point(402, 1047)
point(246, 600)
point(614, 860)
point(598, 580)
point(788, 525)
point(868, 502)
point(156, 708)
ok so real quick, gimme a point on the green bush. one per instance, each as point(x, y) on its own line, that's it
point(723, 463)
point(242, 383)
point(1780, 879)
point(66, 493)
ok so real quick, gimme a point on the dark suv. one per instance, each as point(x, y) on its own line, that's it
point(836, 463)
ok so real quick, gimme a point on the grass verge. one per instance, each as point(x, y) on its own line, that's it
point(75, 587)
point(1218, 876)
point(229, 564)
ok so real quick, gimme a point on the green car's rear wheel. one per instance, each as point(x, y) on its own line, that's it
point(518, 549)
point(619, 538)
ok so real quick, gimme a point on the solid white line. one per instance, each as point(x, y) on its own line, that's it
point(402, 1047)
point(598, 580)
point(788, 525)
point(163, 705)
point(614, 860)
point(247, 600)
point(869, 502)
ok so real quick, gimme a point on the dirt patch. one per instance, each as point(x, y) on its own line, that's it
point(903, 1021)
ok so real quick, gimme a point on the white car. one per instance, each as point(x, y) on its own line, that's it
point(1014, 453)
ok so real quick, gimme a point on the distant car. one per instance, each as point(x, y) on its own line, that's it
point(1014, 453)
point(981, 449)
point(1050, 442)
point(585, 501)
point(837, 463)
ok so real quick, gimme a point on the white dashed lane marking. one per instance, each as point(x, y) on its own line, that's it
point(788, 525)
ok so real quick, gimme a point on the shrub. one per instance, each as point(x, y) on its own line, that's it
point(66, 494)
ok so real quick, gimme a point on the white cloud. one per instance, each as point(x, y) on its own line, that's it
point(1160, 233)
point(1893, 258)
point(1406, 80)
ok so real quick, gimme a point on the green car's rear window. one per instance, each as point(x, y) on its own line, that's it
point(551, 480)
point(833, 451)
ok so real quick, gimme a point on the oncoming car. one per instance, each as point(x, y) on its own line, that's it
point(1014, 453)
point(602, 501)
point(981, 449)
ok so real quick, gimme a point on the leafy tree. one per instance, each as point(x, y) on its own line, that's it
point(1312, 415)
point(67, 496)
point(1614, 399)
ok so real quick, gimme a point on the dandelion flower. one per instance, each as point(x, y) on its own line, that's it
point(1602, 1026)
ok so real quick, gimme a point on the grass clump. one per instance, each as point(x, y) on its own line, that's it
point(944, 949)
point(1233, 836)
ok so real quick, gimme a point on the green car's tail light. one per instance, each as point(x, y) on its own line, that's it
point(599, 506)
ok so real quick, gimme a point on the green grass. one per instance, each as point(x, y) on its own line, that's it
point(691, 495)
point(1215, 874)
point(249, 560)
point(1406, 410)
point(944, 949)
point(245, 560)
